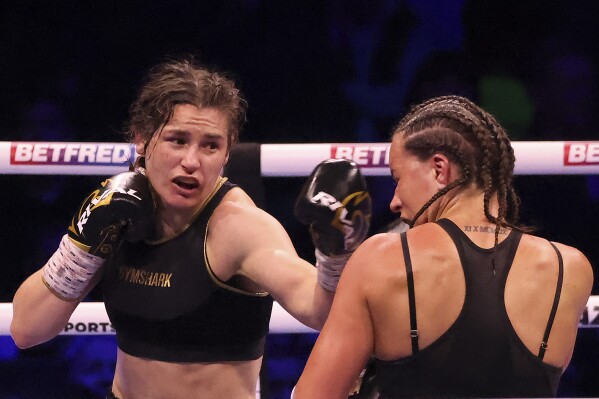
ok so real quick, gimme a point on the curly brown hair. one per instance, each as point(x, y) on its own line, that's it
point(184, 81)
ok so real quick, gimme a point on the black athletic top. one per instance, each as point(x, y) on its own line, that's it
point(480, 355)
point(166, 304)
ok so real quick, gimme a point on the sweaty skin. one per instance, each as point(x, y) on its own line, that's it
point(183, 163)
point(370, 311)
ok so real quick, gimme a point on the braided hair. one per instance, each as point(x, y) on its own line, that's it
point(476, 142)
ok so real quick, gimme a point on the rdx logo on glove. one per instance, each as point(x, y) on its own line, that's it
point(103, 199)
point(350, 215)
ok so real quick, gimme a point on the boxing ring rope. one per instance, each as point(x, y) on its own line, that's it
point(284, 160)
point(276, 160)
point(90, 318)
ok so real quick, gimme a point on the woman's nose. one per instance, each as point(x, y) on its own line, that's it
point(395, 205)
point(191, 159)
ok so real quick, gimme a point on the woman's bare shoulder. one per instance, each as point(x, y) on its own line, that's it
point(577, 268)
point(542, 248)
point(385, 250)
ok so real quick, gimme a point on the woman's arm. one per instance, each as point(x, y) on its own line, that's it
point(38, 314)
point(245, 240)
point(120, 207)
point(347, 340)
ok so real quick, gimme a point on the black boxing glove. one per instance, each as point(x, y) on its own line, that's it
point(121, 208)
point(336, 204)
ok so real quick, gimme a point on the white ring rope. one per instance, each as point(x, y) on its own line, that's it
point(90, 318)
point(283, 160)
point(80, 158)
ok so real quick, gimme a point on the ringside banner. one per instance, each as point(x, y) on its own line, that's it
point(282, 160)
point(65, 157)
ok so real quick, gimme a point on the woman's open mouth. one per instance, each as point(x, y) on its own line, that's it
point(186, 183)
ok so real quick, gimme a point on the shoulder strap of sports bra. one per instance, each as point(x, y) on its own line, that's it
point(411, 298)
point(558, 290)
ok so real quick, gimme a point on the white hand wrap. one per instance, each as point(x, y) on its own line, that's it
point(69, 271)
point(329, 269)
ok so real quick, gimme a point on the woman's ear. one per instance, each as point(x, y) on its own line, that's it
point(140, 145)
point(443, 169)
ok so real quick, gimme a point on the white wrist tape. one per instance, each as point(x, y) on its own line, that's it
point(69, 271)
point(329, 269)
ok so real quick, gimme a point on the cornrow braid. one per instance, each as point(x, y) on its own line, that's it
point(473, 139)
point(508, 201)
point(504, 177)
point(458, 182)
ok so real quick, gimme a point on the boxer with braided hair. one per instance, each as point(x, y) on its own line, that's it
point(467, 302)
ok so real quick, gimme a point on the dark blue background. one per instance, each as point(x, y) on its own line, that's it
point(312, 71)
